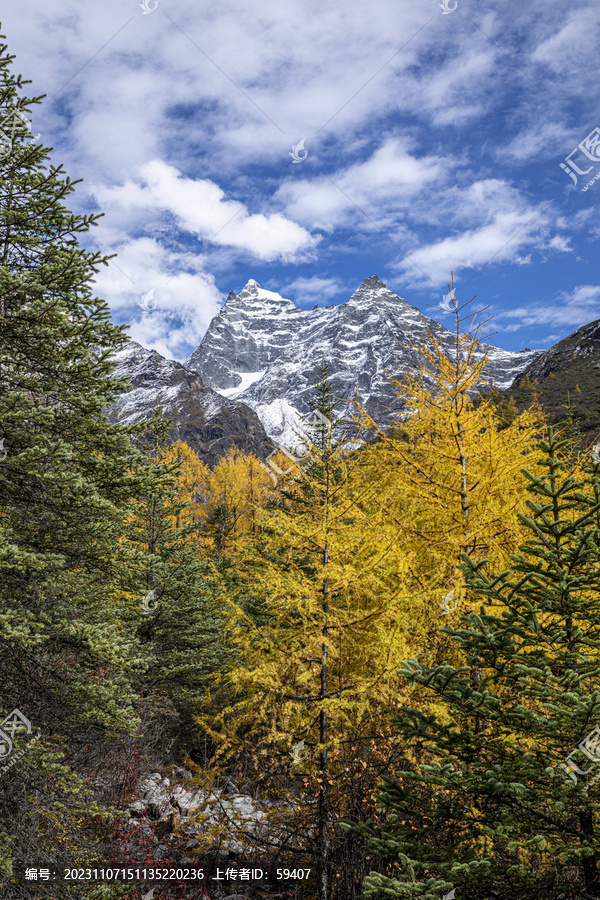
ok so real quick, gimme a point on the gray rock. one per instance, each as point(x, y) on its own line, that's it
point(264, 350)
point(189, 802)
point(175, 806)
point(257, 814)
point(137, 808)
point(244, 806)
point(209, 423)
point(157, 801)
point(149, 782)
point(232, 846)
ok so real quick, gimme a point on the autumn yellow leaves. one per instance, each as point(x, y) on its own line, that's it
point(328, 583)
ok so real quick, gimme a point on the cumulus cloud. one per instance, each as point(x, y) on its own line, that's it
point(570, 309)
point(181, 297)
point(437, 136)
point(199, 206)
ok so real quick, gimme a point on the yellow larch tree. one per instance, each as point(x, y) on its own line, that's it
point(234, 492)
point(192, 475)
point(450, 471)
point(317, 676)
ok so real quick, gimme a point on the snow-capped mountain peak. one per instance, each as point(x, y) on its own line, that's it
point(209, 422)
point(264, 350)
point(252, 294)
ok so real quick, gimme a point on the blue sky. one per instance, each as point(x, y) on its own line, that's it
point(432, 142)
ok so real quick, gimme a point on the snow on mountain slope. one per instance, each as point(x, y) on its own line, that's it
point(205, 420)
point(264, 350)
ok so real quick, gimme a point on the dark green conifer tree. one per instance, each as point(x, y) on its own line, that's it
point(68, 658)
point(182, 623)
point(498, 797)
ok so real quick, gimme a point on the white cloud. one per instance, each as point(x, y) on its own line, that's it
point(233, 84)
point(574, 43)
point(498, 224)
point(199, 207)
point(558, 242)
point(183, 302)
point(390, 177)
point(499, 240)
point(173, 116)
point(305, 291)
point(539, 140)
point(458, 89)
point(571, 309)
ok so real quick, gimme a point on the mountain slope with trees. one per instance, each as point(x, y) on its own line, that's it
point(565, 380)
point(383, 654)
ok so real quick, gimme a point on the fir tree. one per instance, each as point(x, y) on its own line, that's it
point(67, 658)
point(181, 622)
point(498, 796)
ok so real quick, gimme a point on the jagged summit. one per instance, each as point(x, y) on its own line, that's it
point(373, 282)
point(250, 289)
point(255, 368)
point(264, 350)
point(253, 295)
point(373, 290)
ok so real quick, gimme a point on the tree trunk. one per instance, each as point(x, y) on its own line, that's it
point(323, 810)
point(590, 863)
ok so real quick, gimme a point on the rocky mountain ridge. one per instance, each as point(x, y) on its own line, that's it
point(264, 350)
point(566, 381)
point(248, 381)
point(581, 344)
point(208, 422)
